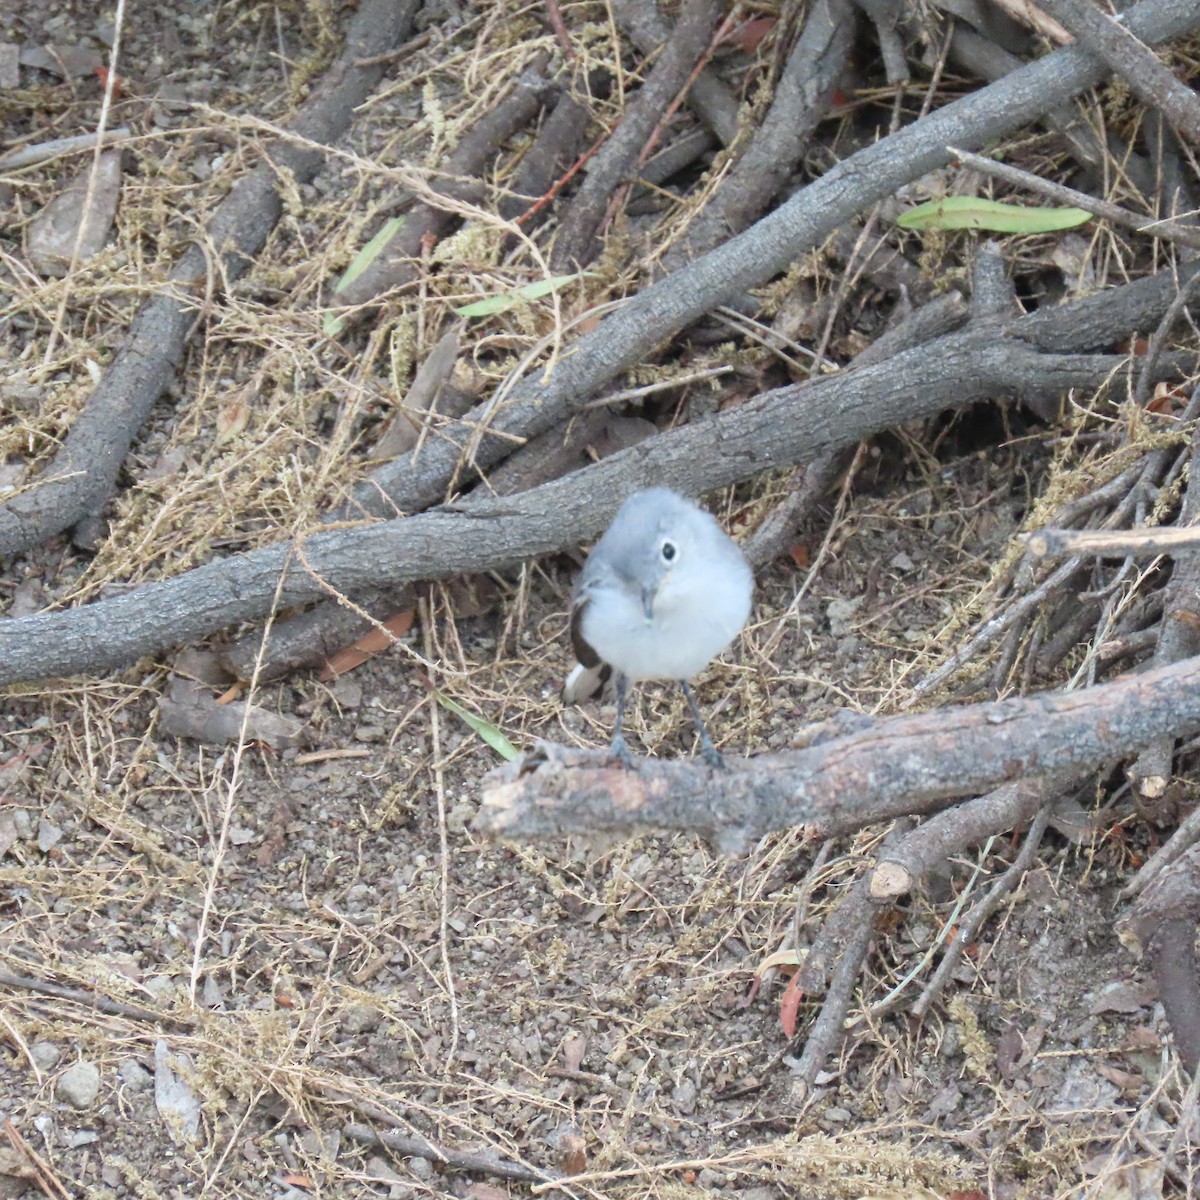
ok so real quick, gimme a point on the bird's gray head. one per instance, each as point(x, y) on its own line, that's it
point(652, 545)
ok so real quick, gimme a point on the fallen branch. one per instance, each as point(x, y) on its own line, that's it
point(93, 1000)
point(801, 101)
point(970, 924)
point(1138, 65)
point(893, 767)
point(614, 165)
point(771, 245)
point(475, 1161)
point(1162, 925)
point(81, 476)
point(1158, 539)
point(40, 152)
point(708, 96)
point(792, 424)
point(398, 262)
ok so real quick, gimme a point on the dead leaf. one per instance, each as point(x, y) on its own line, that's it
point(367, 646)
point(570, 1149)
point(1127, 1081)
point(485, 1191)
point(789, 1006)
point(232, 420)
point(749, 34)
point(781, 958)
point(119, 86)
point(1142, 1038)
point(54, 232)
point(573, 1050)
point(1121, 996)
point(1167, 399)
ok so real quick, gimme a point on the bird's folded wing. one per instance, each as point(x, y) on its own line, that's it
point(590, 674)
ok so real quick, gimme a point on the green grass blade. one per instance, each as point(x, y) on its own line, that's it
point(530, 291)
point(489, 732)
point(973, 212)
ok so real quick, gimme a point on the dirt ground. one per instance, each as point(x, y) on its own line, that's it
point(301, 939)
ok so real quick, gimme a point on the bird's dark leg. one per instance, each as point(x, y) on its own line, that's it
point(711, 754)
point(618, 747)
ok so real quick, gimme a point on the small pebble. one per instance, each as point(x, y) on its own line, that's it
point(684, 1097)
point(134, 1076)
point(45, 1054)
point(422, 1168)
point(48, 836)
point(360, 1018)
point(79, 1085)
point(380, 1168)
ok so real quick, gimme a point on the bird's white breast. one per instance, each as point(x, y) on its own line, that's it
point(696, 615)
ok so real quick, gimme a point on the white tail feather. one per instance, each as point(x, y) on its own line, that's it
point(581, 683)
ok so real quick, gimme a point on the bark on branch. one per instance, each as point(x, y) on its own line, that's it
point(776, 429)
point(891, 767)
point(80, 479)
point(771, 245)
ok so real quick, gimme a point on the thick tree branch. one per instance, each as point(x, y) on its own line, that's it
point(613, 165)
point(1162, 924)
point(1136, 63)
point(399, 262)
point(709, 97)
point(896, 766)
point(792, 424)
point(771, 245)
point(801, 101)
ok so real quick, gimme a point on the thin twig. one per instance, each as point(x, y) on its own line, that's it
point(1158, 539)
point(85, 215)
point(28, 156)
point(981, 912)
point(439, 784)
point(228, 808)
point(114, 1008)
point(45, 1174)
point(461, 1160)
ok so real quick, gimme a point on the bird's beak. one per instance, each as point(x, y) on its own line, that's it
point(648, 595)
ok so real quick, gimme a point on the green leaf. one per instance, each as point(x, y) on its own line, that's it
point(333, 324)
point(972, 212)
point(490, 733)
point(531, 291)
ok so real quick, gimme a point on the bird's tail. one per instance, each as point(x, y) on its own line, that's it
point(584, 682)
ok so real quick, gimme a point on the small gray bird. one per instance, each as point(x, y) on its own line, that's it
point(663, 592)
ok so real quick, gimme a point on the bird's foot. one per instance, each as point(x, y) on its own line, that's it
point(619, 749)
point(712, 756)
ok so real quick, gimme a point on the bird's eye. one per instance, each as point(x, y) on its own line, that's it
point(668, 551)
